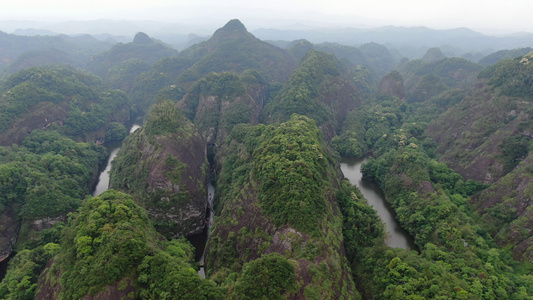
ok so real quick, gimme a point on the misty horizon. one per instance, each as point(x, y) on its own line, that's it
point(205, 16)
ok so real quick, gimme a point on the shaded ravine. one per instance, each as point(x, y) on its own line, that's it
point(199, 241)
point(4, 264)
point(396, 237)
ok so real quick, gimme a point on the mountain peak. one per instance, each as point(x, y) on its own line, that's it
point(231, 28)
point(142, 38)
point(234, 25)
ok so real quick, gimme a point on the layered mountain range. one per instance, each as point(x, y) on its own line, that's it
point(448, 142)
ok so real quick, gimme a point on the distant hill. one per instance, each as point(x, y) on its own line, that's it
point(374, 56)
point(233, 48)
point(435, 73)
point(34, 51)
point(493, 58)
point(412, 42)
point(142, 47)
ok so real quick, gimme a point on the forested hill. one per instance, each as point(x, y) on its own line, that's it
point(487, 137)
point(19, 52)
point(446, 140)
point(142, 48)
point(233, 48)
point(164, 167)
point(72, 101)
point(321, 89)
point(280, 228)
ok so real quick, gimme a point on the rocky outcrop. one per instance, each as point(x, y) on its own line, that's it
point(166, 172)
point(392, 85)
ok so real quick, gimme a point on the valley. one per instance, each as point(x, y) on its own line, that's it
point(340, 171)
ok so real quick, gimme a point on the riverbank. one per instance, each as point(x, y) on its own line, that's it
point(396, 237)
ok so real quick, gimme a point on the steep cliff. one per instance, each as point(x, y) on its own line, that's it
point(277, 202)
point(164, 166)
point(219, 101)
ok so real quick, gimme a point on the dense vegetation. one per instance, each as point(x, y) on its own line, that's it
point(458, 258)
point(430, 202)
point(450, 146)
point(48, 175)
point(76, 102)
point(44, 179)
point(110, 241)
point(277, 190)
point(319, 89)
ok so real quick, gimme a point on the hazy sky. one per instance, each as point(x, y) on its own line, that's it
point(483, 15)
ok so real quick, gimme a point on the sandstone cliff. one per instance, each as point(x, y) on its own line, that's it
point(164, 167)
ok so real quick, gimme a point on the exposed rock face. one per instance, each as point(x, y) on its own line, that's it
point(470, 135)
point(506, 210)
point(166, 173)
point(392, 85)
point(8, 232)
point(215, 110)
point(46, 223)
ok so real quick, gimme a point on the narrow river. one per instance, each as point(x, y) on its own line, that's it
point(396, 237)
point(101, 186)
point(103, 180)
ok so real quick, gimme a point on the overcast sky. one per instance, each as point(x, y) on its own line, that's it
point(489, 16)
